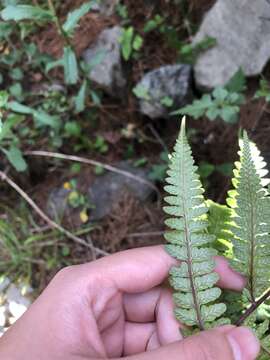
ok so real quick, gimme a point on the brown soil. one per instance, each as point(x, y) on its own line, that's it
point(214, 142)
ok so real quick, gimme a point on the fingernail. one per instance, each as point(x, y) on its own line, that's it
point(244, 344)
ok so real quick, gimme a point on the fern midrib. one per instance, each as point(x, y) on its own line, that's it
point(191, 277)
point(252, 252)
point(189, 261)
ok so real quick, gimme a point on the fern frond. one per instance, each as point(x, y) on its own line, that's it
point(251, 215)
point(194, 279)
point(219, 219)
point(261, 331)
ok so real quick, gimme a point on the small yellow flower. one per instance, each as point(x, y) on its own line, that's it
point(83, 216)
point(67, 186)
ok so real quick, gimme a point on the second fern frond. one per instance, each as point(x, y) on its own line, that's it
point(251, 215)
point(194, 279)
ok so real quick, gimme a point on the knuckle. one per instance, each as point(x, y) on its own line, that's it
point(205, 350)
point(65, 272)
point(205, 346)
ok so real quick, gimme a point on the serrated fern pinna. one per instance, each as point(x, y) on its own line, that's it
point(194, 278)
point(251, 216)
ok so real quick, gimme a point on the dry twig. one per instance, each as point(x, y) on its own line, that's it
point(93, 163)
point(51, 223)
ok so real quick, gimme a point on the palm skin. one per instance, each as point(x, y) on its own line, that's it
point(114, 307)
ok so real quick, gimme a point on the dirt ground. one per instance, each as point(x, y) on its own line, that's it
point(132, 224)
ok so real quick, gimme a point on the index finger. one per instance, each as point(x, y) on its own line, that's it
point(138, 270)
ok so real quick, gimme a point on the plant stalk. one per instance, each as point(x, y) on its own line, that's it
point(64, 35)
point(58, 24)
point(252, 308)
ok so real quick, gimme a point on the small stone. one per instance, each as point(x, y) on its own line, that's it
point(242, 32)
point(106, 190)
point(4, 283)
point(16, 310)
point(103, 193)
point(58, 203)
point(3, 311)
point(17, 303)
point(108, 73)
point(164, 90)
point(105, 7)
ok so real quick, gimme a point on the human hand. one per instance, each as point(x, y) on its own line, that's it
point(116, 307)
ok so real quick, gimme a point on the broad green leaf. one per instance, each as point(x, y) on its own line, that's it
point(26, 12)
point(80, 98)
point(220, 94)
point(141, 92)
point(137, 42)
point(72, 128)
point(167, 101)
point(237, 83)
point(42, 118)
point(15, 157)
point(153, 23)
point(127, 42)
point(75, 16)
point(7, 125)
point(219, 104)
point(53, 64)
point(3, 98)
point(70, 66)
point(19, 108)
point(264, 90)
point(16, 91)
point(16, 74)
point(96, 98)
point(5, 29)
point(229, 114)
point(198, 108)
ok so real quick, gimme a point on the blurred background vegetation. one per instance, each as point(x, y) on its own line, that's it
point(90, 101)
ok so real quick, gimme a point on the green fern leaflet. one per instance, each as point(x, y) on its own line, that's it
point(251, 215)
point(188, 239)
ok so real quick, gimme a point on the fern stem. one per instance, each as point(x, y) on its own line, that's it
point(192, 285)
point(189, 261)
point(252, 254)
point(252, 308)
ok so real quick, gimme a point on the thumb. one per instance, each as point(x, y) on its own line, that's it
point(225, 343)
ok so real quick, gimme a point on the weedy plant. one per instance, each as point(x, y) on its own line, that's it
point(130, 42)
point(194, 236)
point(52, 110)
point(223, 103)
point(74, 71)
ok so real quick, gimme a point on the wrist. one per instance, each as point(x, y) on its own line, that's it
point(11, 346)
point(7, 353)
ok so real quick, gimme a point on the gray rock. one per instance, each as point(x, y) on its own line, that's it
point(108, 73)
point(107, 189)
point(105, 7)
point(14, 301)
point(103, 193)
point(17, 302)
point(167, 83)
point(4, 283)
point(58, 203)
point(243, 40)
